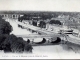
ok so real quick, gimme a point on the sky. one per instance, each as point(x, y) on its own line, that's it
point(40, 5)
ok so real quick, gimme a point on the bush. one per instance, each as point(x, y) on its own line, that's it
point(28, 48)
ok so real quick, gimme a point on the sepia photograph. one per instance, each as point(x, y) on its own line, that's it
point(39, 29)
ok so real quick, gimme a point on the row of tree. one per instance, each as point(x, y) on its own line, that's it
point(35, 17)
point(42, 24)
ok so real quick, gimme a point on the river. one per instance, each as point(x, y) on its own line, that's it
point(61, 51)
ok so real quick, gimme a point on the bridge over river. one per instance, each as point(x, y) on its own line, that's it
point(37, 36)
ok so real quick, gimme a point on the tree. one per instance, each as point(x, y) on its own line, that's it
point(28, 41)
point(5, 27)
point(55, 22)
point(45, 16)
point(10, 43)
point(42, 24)
point(2, 38)
point(16, 44)
point(34, 23)
point(7, 47)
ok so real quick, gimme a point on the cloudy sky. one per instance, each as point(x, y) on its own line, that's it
point(40, 5)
